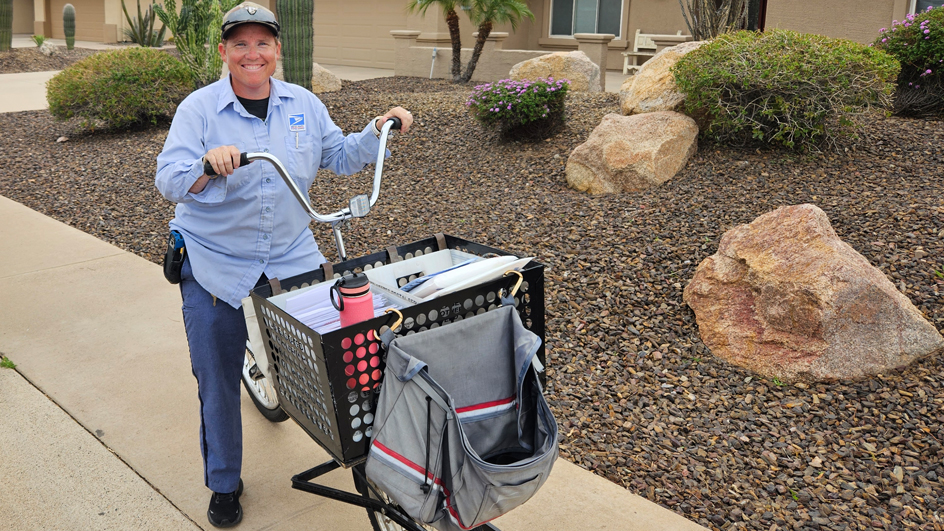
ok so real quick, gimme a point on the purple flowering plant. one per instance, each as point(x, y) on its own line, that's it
point(918, 43)
point(510, 104)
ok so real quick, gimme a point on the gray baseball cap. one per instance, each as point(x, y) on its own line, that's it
point(249, 13)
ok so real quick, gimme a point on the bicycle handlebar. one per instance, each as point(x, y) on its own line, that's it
point(208, 168)
point(302, 197)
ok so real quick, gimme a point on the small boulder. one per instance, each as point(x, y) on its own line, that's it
point(653, 88)
point(786, 298)
point(632, 153)
point(576, 67)
point(323, 80)
point(48, 49)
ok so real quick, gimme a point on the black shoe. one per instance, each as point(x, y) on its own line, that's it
point(225, 510)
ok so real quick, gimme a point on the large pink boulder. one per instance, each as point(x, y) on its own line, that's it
point(786, 298)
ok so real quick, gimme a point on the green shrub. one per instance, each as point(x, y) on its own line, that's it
point(39, 40)
point(918, 43)
point(522, 110)
point(783, 87)
point(120, 89)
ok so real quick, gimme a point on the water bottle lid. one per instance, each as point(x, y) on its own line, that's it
point(350, 286)
point(353, 282)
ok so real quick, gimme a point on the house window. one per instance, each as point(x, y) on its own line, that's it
point(919, 6)
point(586, 16)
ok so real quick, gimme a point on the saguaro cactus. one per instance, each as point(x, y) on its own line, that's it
point(68, 25)
point(296, 18)
point(6, 24)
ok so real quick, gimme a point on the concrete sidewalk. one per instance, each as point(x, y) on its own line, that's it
point(98, 331)
point(56, 475)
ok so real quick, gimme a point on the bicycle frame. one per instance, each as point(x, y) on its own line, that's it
point(303, 481)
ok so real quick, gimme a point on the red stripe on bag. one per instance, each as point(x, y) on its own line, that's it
point(486, 405)
point(422, 471)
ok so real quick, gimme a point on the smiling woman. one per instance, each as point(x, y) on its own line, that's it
point(237, 222)
point(250, 52)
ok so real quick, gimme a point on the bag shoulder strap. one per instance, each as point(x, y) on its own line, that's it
point(421, 381)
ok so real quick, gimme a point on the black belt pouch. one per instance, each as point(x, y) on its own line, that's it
point(174, 257)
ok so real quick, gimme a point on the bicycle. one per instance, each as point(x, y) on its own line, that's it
point(292, 347)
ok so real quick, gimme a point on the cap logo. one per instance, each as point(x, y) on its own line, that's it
point(252, 10)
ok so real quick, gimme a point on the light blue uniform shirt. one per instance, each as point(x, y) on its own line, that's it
point(248, 223)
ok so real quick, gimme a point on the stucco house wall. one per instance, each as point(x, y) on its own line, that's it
point(357, 32)
point(89, 19)
point(844, 19)
point(22, 16)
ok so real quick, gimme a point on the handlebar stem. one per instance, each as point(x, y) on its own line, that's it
point(302, 197)
point(335, 218)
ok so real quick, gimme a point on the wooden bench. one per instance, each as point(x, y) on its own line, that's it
point(643, 46)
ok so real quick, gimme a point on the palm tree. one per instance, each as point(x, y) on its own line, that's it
point(487, 13)
point(452, 20)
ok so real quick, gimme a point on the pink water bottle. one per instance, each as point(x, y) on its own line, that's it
point(351, 296)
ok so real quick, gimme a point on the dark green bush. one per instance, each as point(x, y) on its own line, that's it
point(120, 89)
point(918, 43)
point(783, 87)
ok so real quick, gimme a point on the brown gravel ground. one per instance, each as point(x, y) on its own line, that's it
point(639, 398)
point(19, 60)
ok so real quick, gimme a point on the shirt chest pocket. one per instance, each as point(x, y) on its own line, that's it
point(303, 157)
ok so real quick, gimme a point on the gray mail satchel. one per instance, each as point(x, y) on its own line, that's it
point(463, 433)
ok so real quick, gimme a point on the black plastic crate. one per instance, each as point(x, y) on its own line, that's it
point(329, 383)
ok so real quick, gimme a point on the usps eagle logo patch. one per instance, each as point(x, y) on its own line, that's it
point(296, 122)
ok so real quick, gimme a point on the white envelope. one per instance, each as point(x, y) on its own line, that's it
point(460, 274)
point(484, 276)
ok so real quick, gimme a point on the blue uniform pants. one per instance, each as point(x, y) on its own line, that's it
point(216, 333)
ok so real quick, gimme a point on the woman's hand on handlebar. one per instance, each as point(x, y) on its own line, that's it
point(404, 115)
point(223, 159)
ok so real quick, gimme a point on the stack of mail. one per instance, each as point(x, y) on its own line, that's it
point(313, 308)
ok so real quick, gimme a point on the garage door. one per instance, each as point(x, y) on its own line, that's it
point(357, 32)
point(89, 19)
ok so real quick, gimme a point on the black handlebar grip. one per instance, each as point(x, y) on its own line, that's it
point(208, 168)
point(396, 123)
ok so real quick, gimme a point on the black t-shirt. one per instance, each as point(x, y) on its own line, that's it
point(258, 108)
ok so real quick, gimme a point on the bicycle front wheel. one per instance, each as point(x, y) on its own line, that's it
point(261, 392)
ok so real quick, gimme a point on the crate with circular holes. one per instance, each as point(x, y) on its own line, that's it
point(329, 383)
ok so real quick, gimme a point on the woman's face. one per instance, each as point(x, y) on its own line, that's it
point(251, 52)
